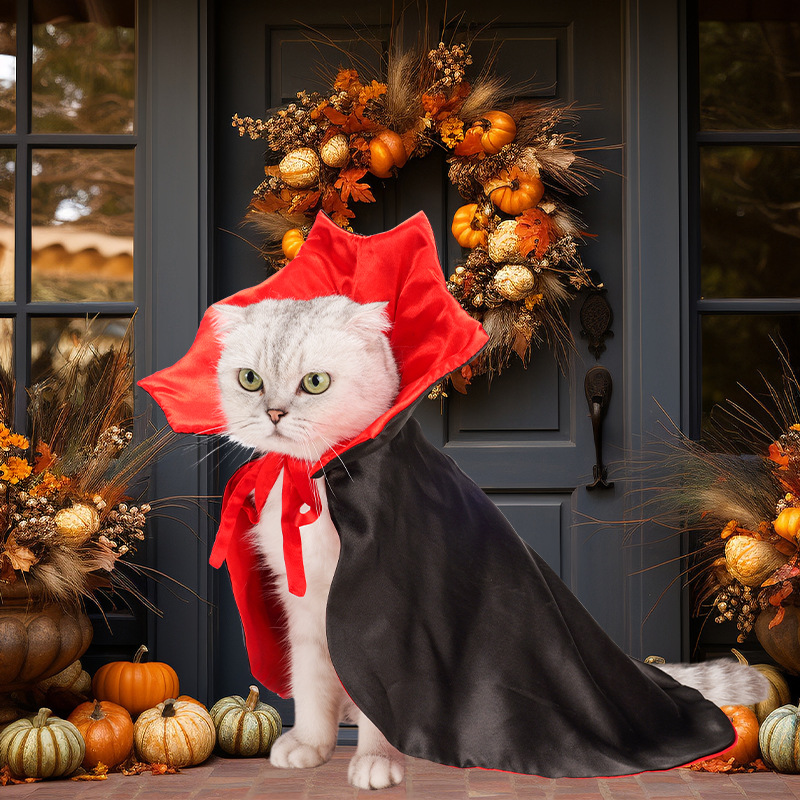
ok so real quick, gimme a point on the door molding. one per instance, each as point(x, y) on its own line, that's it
point(655, 298)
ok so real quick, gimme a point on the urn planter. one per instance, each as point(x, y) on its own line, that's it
point(38, 638)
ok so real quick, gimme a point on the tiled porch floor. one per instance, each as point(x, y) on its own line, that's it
point(255, 779)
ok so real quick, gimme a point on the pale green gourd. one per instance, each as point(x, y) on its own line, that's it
point(43, 746)
point(779, 738)
point(245, 727)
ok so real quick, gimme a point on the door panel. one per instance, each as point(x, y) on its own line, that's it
point(526, 437)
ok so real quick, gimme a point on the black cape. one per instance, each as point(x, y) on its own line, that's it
point(464, 648)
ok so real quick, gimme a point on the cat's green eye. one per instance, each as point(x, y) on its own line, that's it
point(250, 380)
point(315, 382)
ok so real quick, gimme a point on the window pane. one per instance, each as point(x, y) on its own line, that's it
point(6, 370)
point(84, 75)
point(57, 341)
point(749, 224)
point(82, 225)
point(750, 71)
point(8, 75)
point(737, 349)
point(7, 175)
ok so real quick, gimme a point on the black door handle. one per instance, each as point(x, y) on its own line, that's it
point(597, 384)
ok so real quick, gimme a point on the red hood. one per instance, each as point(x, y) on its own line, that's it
point(431, 334)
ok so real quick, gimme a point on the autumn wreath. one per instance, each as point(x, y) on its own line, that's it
point(507, 159)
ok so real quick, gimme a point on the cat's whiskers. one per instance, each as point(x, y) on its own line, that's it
point(331, 447)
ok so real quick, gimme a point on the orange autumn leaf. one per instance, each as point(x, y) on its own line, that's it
point(780, 596)
point(346, 79)
point(371, 91)
point(461, 378)
point(777, 455)
point(349, 186)
point(338, 210)
point(44, 458)
point(303, 201)
point(268, 204)
point(536, 232)
point(778, 618)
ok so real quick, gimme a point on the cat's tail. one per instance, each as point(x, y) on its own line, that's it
point(723, 682)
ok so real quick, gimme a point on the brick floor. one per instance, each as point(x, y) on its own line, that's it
point(254, 779)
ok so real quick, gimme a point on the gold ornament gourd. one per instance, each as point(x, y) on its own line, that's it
point(504, 242)
point(43, 746)
point(77, 524)
point(336, 151)
point(245, 727)
point(300, 168)
point(175, 733)
point(752, 561)
point(514, 281)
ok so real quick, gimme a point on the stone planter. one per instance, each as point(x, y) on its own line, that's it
point(37, 638)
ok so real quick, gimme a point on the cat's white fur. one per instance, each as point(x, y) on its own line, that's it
point(282, 340)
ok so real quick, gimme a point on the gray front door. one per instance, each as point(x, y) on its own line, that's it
point(526, 439)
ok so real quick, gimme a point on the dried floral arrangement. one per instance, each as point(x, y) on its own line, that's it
point(67, 520)
point(507, 159)
point(740, 493)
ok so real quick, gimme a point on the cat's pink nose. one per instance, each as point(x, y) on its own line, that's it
point(275, 414)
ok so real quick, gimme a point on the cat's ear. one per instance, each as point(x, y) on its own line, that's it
point(227, 317)
point(370, 318)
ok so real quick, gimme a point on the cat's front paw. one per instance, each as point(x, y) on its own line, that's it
point(290, 751)
point(374, 771)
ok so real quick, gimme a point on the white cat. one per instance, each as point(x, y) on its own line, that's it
point(296, 377)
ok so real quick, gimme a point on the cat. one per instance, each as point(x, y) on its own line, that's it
point(297, 377)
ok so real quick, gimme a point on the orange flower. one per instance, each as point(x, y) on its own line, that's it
point(15, 470)
point(452, 131)
point(50, 484)
point(18, 440)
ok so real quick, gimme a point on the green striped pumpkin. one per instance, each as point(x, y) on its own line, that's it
point(41, 747)
point(779, 738)
point(245, 727)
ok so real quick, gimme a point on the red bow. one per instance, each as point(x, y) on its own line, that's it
point(239, 512)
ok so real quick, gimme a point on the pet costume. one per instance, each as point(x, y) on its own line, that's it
point(454, 637)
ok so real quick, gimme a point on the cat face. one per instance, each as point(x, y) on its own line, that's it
point(299, 376)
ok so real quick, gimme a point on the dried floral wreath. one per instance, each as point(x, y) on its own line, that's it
point(66, 521)
point(745, 508)
point(512, 167)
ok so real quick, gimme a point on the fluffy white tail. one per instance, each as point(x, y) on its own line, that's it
point(723, 682)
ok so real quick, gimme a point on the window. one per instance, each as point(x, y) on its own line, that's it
point(744, 154)
point(68, 171)
point(745, 144)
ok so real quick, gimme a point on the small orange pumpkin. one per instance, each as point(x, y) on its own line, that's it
point(134, 685)
point(498, 129)
point(107, 729)
point(788, 524)
point(386, 150)
point(514, 191)
point(745, 722)
point(469, 226)
point(292, 242)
